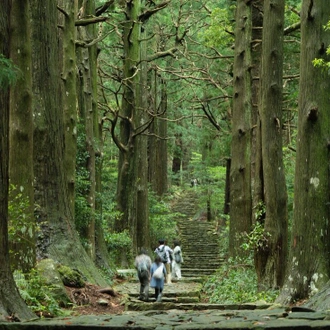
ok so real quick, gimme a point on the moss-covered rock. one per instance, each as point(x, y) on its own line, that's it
point(71, 277)
point(48, 270)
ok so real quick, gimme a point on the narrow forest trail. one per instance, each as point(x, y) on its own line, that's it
point(199, 238)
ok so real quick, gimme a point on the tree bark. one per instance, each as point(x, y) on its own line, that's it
point(141, 144)
point(89, 121)
point(271, 255)
point(240, 175)
point(257, 180)
point(128, 181)
point(308, 268)
point(11, 302)
point(157, 147)
point(69, 80)
point(58, 238)
point(21, 142)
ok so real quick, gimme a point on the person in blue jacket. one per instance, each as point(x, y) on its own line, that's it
point(157, 283)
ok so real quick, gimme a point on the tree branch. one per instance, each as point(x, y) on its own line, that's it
point(91, 20)
point(148, 13)
point(63, 11)
point(292, 28)
point(102, 9)
point(169, 52)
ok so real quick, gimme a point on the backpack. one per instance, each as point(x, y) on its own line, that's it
point(177, 257)
point(162, 254)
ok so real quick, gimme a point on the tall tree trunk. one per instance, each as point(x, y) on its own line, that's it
point(69, 76)
point(141, 145)
point(57, 238)
point(91, 229)
point(89, 115)
point(21, 142)
point(157, 141)
point(127, 181)
point(240, 183)
point(257, 180)
point(271, 255)
point(11, 302)
point(308, 267)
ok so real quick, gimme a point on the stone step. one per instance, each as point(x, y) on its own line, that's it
point(201, 264)
point(197, 272)
point(167, 299)
point(146, 306)
point(203, 261)
point(174, 295)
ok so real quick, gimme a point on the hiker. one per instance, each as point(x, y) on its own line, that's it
point(177, 261)
point(165, 253)
point(194, 183)
point(142, 264)
point(158, 274)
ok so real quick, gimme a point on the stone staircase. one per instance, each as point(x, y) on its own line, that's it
point(199, 238)
point(180, 295)
point(200, 248)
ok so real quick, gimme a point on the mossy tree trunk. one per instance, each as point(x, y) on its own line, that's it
point(308, 268)
point(157, 146)
point(271, 255)
point(57, 238)
point(11, 302)
point(22, 238)
point(257, 181)
point(127, 180)
point(88, 111)
point(240, 170)
point(69, 75)
point(141, 144)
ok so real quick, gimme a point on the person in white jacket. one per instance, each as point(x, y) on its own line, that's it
point(177, 261)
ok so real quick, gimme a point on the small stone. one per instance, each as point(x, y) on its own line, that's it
point(103, 302)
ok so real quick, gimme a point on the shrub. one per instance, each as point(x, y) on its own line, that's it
point(37, 293)
point(236, 282)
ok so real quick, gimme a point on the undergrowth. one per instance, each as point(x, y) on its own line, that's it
point(37, 294)
point(236, 282)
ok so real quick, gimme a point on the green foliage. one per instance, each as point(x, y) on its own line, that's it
point(8, 72)
point(289, 158)
point(162, 221)
point(259, 211)
point(212, 184)
point(118, 243)
point(320, 62)
point(220, 30)
point(256, 239)
point(18, 209)
point(37, 294)
point(83, 211)
point(109, 184)
point(224, 236)
point(235, 282)
point(118, 240)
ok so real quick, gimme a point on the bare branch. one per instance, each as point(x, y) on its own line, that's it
point(102, 9)
point(86, 44)
point(292, 28)
point(148, 13)
point(91, 20)
point(63, 11)
point(169, 52)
